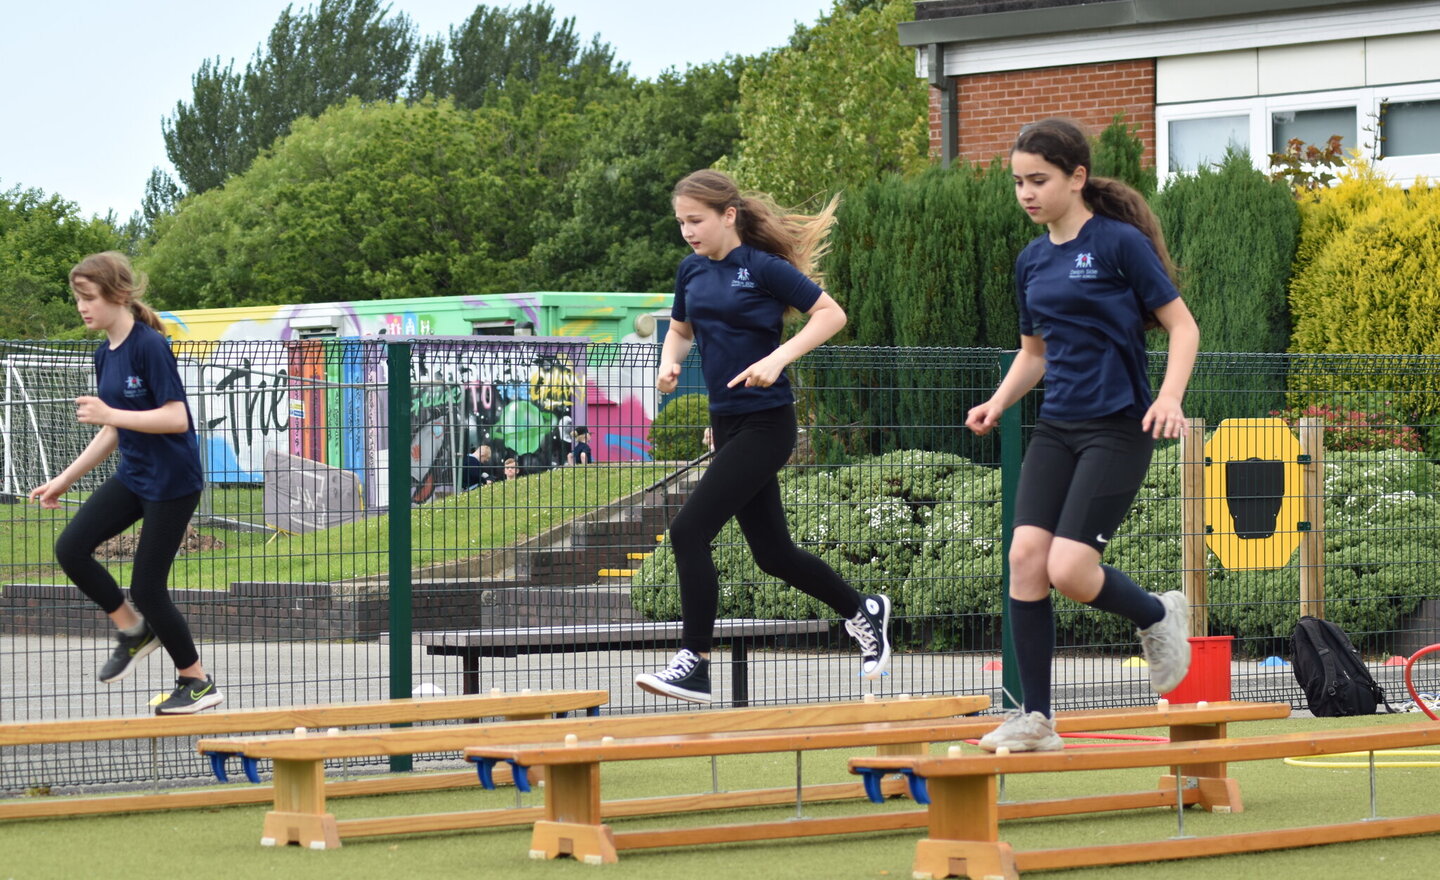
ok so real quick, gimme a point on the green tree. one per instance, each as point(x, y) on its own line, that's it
point(620, 231)
point(1117, 153)
point(839, 108)
point(312, 60)
point(41, 237)
point(373, 201)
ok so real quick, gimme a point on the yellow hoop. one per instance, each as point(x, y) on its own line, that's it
point(1351, 765)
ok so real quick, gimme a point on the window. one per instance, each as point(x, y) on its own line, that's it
point(1409, 128)
point(1314, 127)
point(1198, 142)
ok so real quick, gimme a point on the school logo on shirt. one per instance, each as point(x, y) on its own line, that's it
point(1084, 267)
point(742, 279)
point(134, 386)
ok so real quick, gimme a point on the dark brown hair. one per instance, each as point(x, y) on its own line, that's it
point(1063, 144)
point(119, 283)
point(799, 239)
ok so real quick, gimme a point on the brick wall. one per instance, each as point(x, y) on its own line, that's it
point(993, 106)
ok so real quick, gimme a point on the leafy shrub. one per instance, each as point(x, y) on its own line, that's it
point(1356, 430)
point(678, 431)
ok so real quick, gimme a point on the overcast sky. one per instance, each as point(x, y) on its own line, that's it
point(84, 84)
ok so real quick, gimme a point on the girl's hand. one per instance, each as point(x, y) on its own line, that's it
point(49, 494)
point(1164, 420)
point(981, 419)
point(667, 378)
point(762, 373)
point(92, 411)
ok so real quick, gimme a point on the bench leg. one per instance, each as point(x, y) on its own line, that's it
point(572, 825)
point(299, 816)
point(1218, 792)
point(964, 836)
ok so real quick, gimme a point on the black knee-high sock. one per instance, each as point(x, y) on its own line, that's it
point(1121, 595)
point(1033, 626)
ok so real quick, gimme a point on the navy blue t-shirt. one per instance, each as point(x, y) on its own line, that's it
point(138, 375)
point(581, 451)
point(736, 306)
point(1087, 300)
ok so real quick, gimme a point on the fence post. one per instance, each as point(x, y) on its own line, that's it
point(1192, 524)
point(1312, 539)
point(1010, 457)
point(397, 357)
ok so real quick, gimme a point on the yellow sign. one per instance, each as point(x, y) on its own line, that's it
point(1253, 503)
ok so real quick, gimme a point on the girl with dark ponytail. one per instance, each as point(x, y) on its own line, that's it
point(752, 265)
point(1086, 290)
point(140, 408)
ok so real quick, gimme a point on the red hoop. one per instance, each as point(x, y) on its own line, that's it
point(1410, 685)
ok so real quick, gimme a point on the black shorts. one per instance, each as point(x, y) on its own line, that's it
point(1079, 478)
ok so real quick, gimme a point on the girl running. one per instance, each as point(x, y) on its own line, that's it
point(750, 266)
point(140, 410)
point(1086, 290)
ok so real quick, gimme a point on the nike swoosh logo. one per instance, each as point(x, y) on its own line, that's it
point(195, 695)
point(1101, 539)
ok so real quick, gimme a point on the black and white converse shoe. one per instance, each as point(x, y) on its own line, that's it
point(686, 678)
point(871, 628)
point(191, 695)
point(129, 650)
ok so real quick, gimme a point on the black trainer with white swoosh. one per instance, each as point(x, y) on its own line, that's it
point(191, 695)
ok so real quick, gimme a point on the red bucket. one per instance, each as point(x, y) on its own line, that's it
point(1209, 675)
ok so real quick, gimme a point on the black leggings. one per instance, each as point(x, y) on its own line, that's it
point(750, 449)
point(109, 511)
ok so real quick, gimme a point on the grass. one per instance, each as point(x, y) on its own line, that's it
point(224, 842)
point(457, 527)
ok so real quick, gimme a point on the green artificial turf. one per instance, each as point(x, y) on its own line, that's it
point(225, 842)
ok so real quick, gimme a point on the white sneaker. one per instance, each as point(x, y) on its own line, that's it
point(1023, 731)
point(1166, 644)
point(871, 628)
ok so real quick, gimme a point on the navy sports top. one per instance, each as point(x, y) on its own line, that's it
point(1087, 299)
point(736, 307)
point(141, 374)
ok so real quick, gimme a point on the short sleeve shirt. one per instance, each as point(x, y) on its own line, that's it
point(1087, 299)
point(736, 307)
point(141, 374)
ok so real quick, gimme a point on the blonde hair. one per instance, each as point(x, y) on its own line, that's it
point(119, 283)
point(799, 239)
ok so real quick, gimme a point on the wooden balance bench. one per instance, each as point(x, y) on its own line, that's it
point(964, 839)
point(317, 718)
point(300, 816)
point(572, 821)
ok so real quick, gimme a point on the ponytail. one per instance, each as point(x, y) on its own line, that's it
point(119, 283)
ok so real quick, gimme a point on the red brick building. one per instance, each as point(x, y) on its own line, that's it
point(1195, 76)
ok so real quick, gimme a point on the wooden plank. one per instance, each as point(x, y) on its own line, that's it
point(314, 717)
point(455, 738)
point(782, 830)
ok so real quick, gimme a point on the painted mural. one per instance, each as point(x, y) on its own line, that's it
point(311, 381)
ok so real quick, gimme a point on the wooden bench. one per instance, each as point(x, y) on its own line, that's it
point(572, 823)
point(317, 718)
point(300, 815)
point(739, 633)
point(963, 816)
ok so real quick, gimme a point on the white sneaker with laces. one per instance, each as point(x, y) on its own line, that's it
point(1166, 644)
point(1023, 731)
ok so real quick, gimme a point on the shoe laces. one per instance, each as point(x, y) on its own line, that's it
point(681, 665)
point(859, 627)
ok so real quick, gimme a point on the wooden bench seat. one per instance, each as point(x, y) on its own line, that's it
point(574, 812)
point(316, 718)
point(739, 633)
point(300, 816)
point(963, 815)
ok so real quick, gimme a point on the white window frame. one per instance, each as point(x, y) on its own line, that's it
point(1366, 100)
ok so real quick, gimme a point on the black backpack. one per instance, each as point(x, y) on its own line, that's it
point(1331, 672)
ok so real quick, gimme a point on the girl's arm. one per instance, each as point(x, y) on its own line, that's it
point(1025, 373)
point(677, 345)
point(824, 320)
point(96, 451)
point(1166, 418)
point(169, 418)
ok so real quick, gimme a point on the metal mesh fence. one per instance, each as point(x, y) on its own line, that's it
point(300, 580)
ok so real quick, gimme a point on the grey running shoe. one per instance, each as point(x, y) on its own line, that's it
point(686, 678)
point(191, 695)
point(129, 650)
point(1023, 731)
point(1166, 644)
point(871, 628)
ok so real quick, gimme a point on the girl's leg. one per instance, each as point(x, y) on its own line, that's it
point(108, 511)
point(160, 536)
point(1032, 615)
